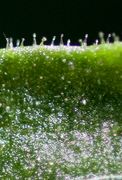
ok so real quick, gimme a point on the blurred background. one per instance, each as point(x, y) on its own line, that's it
point(73, 18)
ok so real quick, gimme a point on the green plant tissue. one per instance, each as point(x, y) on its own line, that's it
point(60, 112)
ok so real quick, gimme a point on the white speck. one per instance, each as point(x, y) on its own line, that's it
point(41, 77)
point(83, 101)
point(37, 103)
point(7, 108)
point(62, 77)
point(63, 60)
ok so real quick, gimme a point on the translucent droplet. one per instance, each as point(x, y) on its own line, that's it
point(34, 39)
point(0, 104)
point(54, 38)
point(61, 40)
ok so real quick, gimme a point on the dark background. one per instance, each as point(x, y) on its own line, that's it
point(73, 18)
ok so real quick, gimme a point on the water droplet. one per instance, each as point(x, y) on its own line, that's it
point(34, 39)
point(0, 104)
point(61, 40)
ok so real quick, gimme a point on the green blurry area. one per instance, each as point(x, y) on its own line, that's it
point(67, 99)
